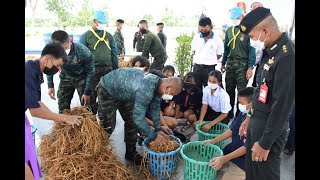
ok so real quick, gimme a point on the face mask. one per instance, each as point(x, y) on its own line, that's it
point(188, 86)
point(140, 68)
point(53, 70)
point(143, 31)
point(101, 26)
point(235, 22)
point(257, 43)
point(68, 51)
point(167, 97)
point(243, 108)
point(206, 33)
point(213, 85)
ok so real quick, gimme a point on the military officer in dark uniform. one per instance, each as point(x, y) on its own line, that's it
point(273, 97)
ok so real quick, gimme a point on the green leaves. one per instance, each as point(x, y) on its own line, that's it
point(60, 8)
point(183, 53)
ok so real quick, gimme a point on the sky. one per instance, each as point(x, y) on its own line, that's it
point(217, 10)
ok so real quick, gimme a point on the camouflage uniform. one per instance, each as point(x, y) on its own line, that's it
point(131, 91)
point(238, 57)
point(119, 42)
point(153, 45)
point(104, 55)
point(76, 73)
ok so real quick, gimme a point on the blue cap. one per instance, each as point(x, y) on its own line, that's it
point(236, 12)
point(100, 16)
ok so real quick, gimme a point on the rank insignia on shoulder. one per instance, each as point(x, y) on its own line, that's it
point(271, 61)
point(284, 48)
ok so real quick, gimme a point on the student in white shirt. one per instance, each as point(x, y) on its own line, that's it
point(207, 47)
point(215, 102)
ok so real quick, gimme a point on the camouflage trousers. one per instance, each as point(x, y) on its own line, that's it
point(107, 108)
point(99, 72)
point(236, 70)
point(158, 63)
point(66, 90)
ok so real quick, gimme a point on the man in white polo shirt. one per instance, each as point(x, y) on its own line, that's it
point(206, 48)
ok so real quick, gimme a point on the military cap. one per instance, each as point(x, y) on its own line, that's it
point(253, 18)
point(120, 21)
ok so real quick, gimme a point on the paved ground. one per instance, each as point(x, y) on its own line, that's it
point(44, 126)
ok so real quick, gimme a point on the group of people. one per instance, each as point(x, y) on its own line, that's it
point(152, 101)
point(146, 42)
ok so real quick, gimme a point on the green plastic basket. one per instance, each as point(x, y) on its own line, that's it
point(196, 157)
point(215, 131)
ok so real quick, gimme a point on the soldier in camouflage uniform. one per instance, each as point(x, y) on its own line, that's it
point(119, 38)
point(76, 73)
point(132, 91)
point(238, 58)
point(104, 52)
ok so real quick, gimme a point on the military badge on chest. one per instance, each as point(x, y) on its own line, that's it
point(267, 65)
point(75, 59)
point(242, 37)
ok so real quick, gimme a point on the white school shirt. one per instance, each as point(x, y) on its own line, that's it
point(219, 101)
point(206, 52)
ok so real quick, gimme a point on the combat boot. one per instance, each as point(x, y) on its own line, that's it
point(132, 155)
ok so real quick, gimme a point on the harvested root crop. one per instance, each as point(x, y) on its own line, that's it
point(80, 152)
point(171, 146)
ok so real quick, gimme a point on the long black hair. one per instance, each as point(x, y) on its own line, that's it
point(217, 74)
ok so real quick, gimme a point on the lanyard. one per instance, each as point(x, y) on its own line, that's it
point(100, 39)
point(234, 37)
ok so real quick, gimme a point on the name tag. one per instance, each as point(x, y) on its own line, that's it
point(266, 67)
point(263, 93)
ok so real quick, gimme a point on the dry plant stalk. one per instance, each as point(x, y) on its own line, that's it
point(81, 152)
point(171, 146)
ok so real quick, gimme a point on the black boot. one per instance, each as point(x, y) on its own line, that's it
point(132, 155)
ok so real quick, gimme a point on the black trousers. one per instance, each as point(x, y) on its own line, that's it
point(211, 115)
point(269, 169)
point(201, 74)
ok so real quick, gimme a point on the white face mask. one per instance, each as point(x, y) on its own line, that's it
point(167, 97)
point(140, 68)
point(68, 51)
point(235, 22)
point(243, 108)
point(101, 26)
point(213, 85)
point(259, 45)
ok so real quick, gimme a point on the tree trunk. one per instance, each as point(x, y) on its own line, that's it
point(32, 25)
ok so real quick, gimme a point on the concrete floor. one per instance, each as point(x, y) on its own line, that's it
point(116, 139)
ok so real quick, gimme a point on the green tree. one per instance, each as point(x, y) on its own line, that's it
point(86, 12)
point(183, 59)
point(169, 18)
point(84, 16)
point(149, 18)
point(33, 6)
point(61, 9)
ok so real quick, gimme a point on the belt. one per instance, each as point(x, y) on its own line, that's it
point(204, 66)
